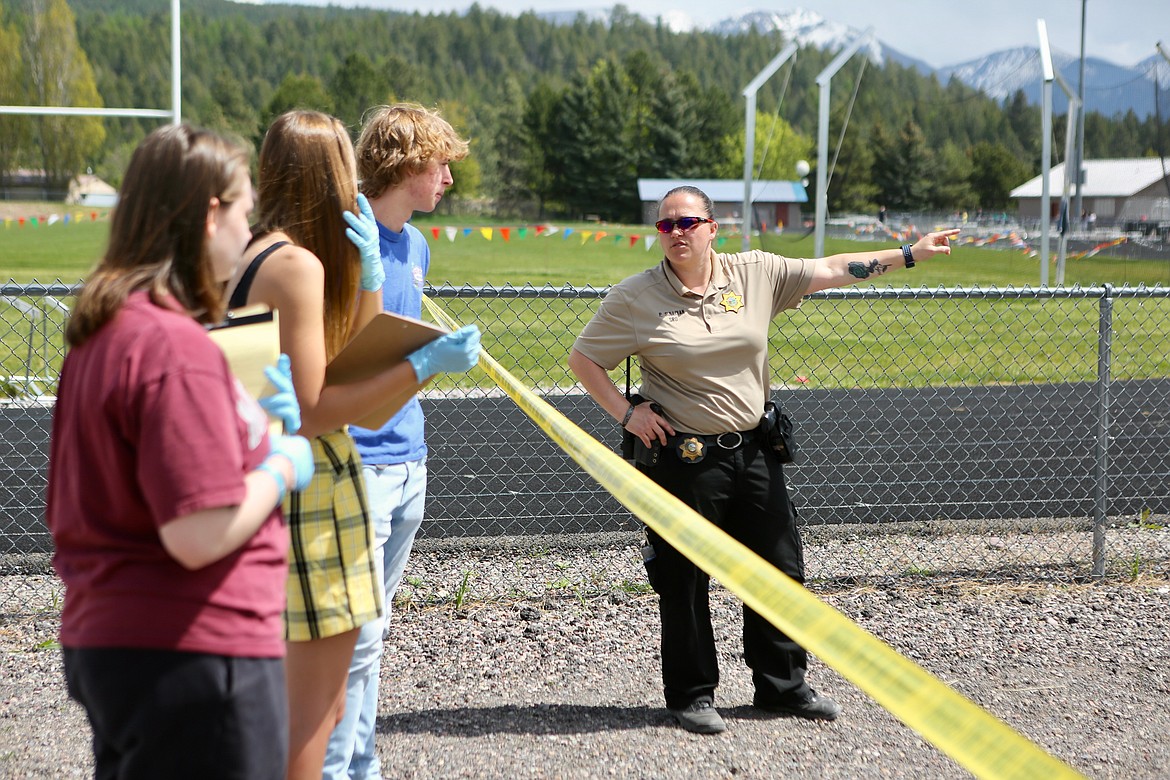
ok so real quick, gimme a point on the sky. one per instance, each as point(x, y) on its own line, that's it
point(938, 32)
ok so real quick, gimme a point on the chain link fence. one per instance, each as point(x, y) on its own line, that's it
point(989, 434)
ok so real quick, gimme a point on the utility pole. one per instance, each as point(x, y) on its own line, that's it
point(1078, 176)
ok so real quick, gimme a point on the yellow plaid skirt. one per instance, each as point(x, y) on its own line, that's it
point(333, 583)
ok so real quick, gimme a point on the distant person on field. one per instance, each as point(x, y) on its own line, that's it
point(403, 161)
point(698, 322)
point(164, 487)
point(315, 260)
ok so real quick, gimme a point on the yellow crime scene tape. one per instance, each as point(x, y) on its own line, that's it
point(974, 738)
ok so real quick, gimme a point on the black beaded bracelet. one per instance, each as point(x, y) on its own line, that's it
point(907, 255)
point(629, 414)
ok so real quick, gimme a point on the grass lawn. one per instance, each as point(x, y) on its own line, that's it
point(578, 254)
point(886, 343)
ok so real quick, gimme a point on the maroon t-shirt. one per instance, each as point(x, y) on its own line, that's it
point(150, 425)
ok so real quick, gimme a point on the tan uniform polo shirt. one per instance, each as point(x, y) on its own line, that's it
point(704, 359)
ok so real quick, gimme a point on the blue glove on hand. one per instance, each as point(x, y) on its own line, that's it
point(299, 452)
point(449, 353)
point(363, 232)
point(283, 403)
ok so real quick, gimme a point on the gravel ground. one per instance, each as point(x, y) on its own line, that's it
point(568, 686)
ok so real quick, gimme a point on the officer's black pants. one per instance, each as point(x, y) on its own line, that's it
point(743, 493)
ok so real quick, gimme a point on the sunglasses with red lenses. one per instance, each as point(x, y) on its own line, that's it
point(682, 223)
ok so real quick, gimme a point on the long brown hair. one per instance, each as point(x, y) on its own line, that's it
point(306, 179)
point(159, 226)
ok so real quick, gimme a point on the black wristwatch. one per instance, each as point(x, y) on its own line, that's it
point(907, 255)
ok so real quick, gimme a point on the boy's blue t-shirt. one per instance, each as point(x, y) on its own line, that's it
point(406, 258)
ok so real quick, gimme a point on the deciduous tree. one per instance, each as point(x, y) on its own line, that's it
point(59, 74)
point(15, 130)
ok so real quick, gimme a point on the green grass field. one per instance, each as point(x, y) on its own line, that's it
point(870, 343)
point(66, 252)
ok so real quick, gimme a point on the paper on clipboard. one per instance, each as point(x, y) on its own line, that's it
point(386, 340)
point(250, 339)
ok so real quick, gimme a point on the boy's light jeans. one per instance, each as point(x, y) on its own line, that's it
point(396, 494)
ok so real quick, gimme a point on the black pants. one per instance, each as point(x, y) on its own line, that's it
point(158, 713)
point(743, 493)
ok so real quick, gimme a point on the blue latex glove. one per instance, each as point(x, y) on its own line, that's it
point(299, 452)
point(283, 403)
point(450, 353)
point(363, 232)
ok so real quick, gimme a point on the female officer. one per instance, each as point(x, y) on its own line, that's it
point(699, 322)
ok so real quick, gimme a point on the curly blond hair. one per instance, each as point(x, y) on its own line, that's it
point(401, 140)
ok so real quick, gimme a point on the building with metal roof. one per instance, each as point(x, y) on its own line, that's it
point(1126, 193)
point(774, 203)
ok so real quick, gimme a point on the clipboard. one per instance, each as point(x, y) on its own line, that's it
point(386, 340)
point(250, 340)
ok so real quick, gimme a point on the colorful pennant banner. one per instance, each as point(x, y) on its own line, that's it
point(522, 233)
point(46, 220)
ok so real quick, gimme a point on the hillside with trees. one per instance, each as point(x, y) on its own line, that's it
point(564, 118)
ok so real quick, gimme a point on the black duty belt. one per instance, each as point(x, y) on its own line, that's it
point(693, 447)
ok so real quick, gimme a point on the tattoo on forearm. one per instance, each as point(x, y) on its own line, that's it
point(865, 270)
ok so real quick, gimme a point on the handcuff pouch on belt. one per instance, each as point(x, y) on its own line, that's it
point(779, 432)
point(632, 446)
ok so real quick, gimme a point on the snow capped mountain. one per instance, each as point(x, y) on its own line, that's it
point(1109, 89)
point(1000, 74)
point(807, 28)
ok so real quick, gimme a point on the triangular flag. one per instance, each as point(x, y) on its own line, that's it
point(486, 233)
point(34, 221)
point(566, 234)
point(505, 233)
point(66, 219)
point(649, 242)
point(633, 240)
point(450, 234)
point(467, 231)
point(435, 232)
point(539, 229)
point(523, 232)
point(53, 218)
point(585, 234)
point(550, 229)
point(720, 241)
point(600, 235)
point(617, 239)
point(93, 216)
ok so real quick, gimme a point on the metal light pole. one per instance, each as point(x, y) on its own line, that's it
point(1080, 155)
point(823, 81)
point(749, 146)
point(1046, 148)
point(176, 65)
point(1074, 108)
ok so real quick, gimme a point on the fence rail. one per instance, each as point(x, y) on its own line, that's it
point(1029, 427)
